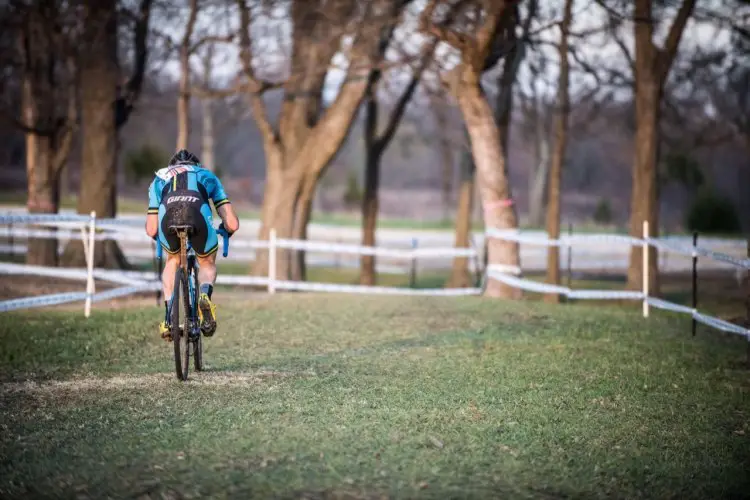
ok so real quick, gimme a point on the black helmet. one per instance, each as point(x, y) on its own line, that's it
point(184, 156)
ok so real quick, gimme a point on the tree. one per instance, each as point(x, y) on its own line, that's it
point(475, 53)
point(562, 112)
point(460, 276)
point(192, 42)
point(375, 145)
point(183, 98)
point(106, 105)
point(650, 67)
point(537, 111)
point(442, 120)
point(47, 70)
point(300, 146)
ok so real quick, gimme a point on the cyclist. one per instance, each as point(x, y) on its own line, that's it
point(178, 194)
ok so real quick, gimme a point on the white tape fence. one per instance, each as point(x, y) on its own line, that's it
point(663, 244)
point(89, 230)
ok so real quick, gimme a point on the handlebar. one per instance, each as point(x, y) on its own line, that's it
point(225, 236)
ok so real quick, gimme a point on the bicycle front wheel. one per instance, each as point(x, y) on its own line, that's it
point(181, 325)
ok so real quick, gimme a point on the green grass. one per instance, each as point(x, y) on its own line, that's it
point(310, 396)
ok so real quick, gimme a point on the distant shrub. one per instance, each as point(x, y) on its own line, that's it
point(603, 212)
point(353, 193)
point(711, 212)
point(682, 169)
point(142, 162)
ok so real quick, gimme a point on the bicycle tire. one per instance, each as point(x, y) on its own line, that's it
point(177, 336)
point(189, 325)
point(198, 342)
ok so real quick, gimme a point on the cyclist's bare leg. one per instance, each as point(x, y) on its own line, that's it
point(167, 276)
point(167, 285)
point(207, 271)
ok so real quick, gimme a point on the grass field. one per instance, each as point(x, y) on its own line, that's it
point(310, 396)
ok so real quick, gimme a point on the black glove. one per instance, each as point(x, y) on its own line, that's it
point(223, 231)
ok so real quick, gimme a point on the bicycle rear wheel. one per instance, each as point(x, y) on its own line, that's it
point(181, 324)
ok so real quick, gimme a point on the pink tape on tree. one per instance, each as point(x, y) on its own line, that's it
point(498, 204)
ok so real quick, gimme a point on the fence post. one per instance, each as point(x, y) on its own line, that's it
point(157, 268)
point(747, 301)
point(695, 278)
point(337, 256)
point(645, 253)
point(570, 256)
point(90, 266)
point(272, 262)
point(10, 237)
point(413, 272)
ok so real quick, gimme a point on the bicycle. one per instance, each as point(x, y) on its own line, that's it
point(186, 288)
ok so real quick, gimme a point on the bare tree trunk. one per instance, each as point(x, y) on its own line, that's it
point(272, 191)
point(42, 192)
point(651, 68)
point(492, 176)
point(99, 77)
point(644, 204)
point(302, 216)
point(460, 275)
point(183, 98)
point(446, 156)
point(208, 148)
point(373, 154)
point(562, 112)
point(183, 114)
point(540, 178)
point(43, 197)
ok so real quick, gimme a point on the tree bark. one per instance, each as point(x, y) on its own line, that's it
point(302, 216)
point(460, 276)
point(492, 176)
point(644, 203)
point(99, 77)
point(562, 112)
point(43, 197)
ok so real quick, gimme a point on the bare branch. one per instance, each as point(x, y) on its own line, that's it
point(255, 87)
point(442, 32)
point(210, 39)
point(135, 82)
point(667, 54)
point(403, 101)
